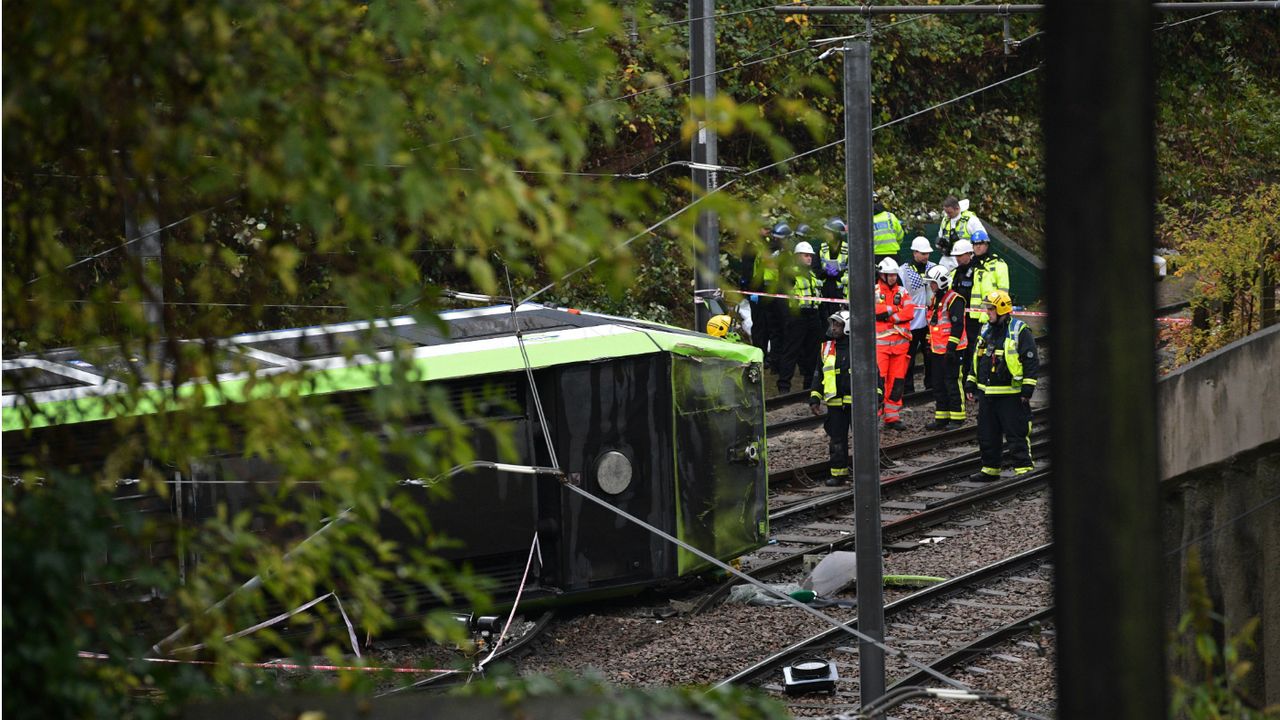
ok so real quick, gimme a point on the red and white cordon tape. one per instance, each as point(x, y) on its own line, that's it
point(276, 666)
point(843, 301)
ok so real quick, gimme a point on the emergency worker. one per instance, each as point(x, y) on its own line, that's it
point(894, 312)
point(886, 231)
point(947, 340)
point(1003, 380)
point(833, 262)
point(831, 386)
point(990, 271)
point(914, 276)
point(958, 223)
point(723, 326)
point(803, 334)
point(962, 283)
point(768, 315)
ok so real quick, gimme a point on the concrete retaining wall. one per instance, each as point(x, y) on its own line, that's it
point(1219, 424)
point(1223, 404)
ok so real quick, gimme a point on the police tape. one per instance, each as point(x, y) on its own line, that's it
point(275, 666)
point(844, 301)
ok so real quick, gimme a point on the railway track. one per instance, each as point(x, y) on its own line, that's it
point(913, 515)
point(1012, 594)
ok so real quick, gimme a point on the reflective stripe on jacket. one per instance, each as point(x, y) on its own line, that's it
point(999, 362)
point(897, 302)
point(886, 232)
point(991, 273)
point(941, 326)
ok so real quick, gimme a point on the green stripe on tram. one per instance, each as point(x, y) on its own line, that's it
point(544, 351)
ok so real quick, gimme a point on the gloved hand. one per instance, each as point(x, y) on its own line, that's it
point(754, 298)
point(1026, 403)
point(815, 407)
point(832, 268)
point(953, 355)
point(883, 317)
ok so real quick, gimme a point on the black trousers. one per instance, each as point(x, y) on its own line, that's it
point(800, 347)
point(837, 427)
point(948, 395)
point(1003, 418)
point(919, 346)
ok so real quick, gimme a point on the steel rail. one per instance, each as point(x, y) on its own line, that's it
point(1018, 627)
point(929, 594)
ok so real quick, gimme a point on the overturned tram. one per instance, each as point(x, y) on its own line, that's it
point(662, 423)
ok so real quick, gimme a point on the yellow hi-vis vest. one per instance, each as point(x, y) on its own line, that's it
point(829, 394)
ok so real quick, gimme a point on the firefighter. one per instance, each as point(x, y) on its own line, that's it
point(1002, 379)
point(723, 326)
point(833, 262)
point(894, 312)
point(962, 283)
point(947, 340)
point(831, 386)
point(803, 334)
point(886, 231)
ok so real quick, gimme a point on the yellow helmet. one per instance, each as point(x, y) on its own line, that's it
point(718, 325)
point(999, 300)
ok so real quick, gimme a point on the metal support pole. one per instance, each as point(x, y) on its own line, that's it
point(1099, 118)
point(862, 353)
point(147, 249)
point(702, 68)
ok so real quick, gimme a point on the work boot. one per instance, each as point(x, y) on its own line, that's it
point(957, 423)
point(983, 477)
point(834, 481)
point(894, 427)
point(938, 424)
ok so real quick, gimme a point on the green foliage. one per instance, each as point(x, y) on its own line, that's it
point(1215, 692)
point(1232, 249)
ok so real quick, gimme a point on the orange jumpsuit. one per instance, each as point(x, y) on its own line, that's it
point(893, 338)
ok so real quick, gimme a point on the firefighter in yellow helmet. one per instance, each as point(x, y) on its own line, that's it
point(722, 326)
point(1002, 379)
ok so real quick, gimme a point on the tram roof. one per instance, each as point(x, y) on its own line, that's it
point(67, 386)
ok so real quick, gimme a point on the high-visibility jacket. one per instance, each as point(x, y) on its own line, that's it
point(806, 285)
point(1005, 360)
point(990, 273)
point(834, 374)
point(895, 301)
point(886, 233)
point(953, 229)
point(946, 323)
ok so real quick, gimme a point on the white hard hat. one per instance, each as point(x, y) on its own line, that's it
point(888, 265)
point(804, 247)
point(841, 317)
point(921, 244)
point(940, 275)
point(961, 247)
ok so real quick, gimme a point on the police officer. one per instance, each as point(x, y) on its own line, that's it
point(886, 231)
point(768, 315)
point(947, 341)
point(958, 223)
point(803, 333)
point(990, 272)
point(833, 264)
point(914, 274)
point(1002, 379)
point(830, 386)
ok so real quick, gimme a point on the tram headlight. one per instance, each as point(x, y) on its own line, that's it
point(613, 472)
